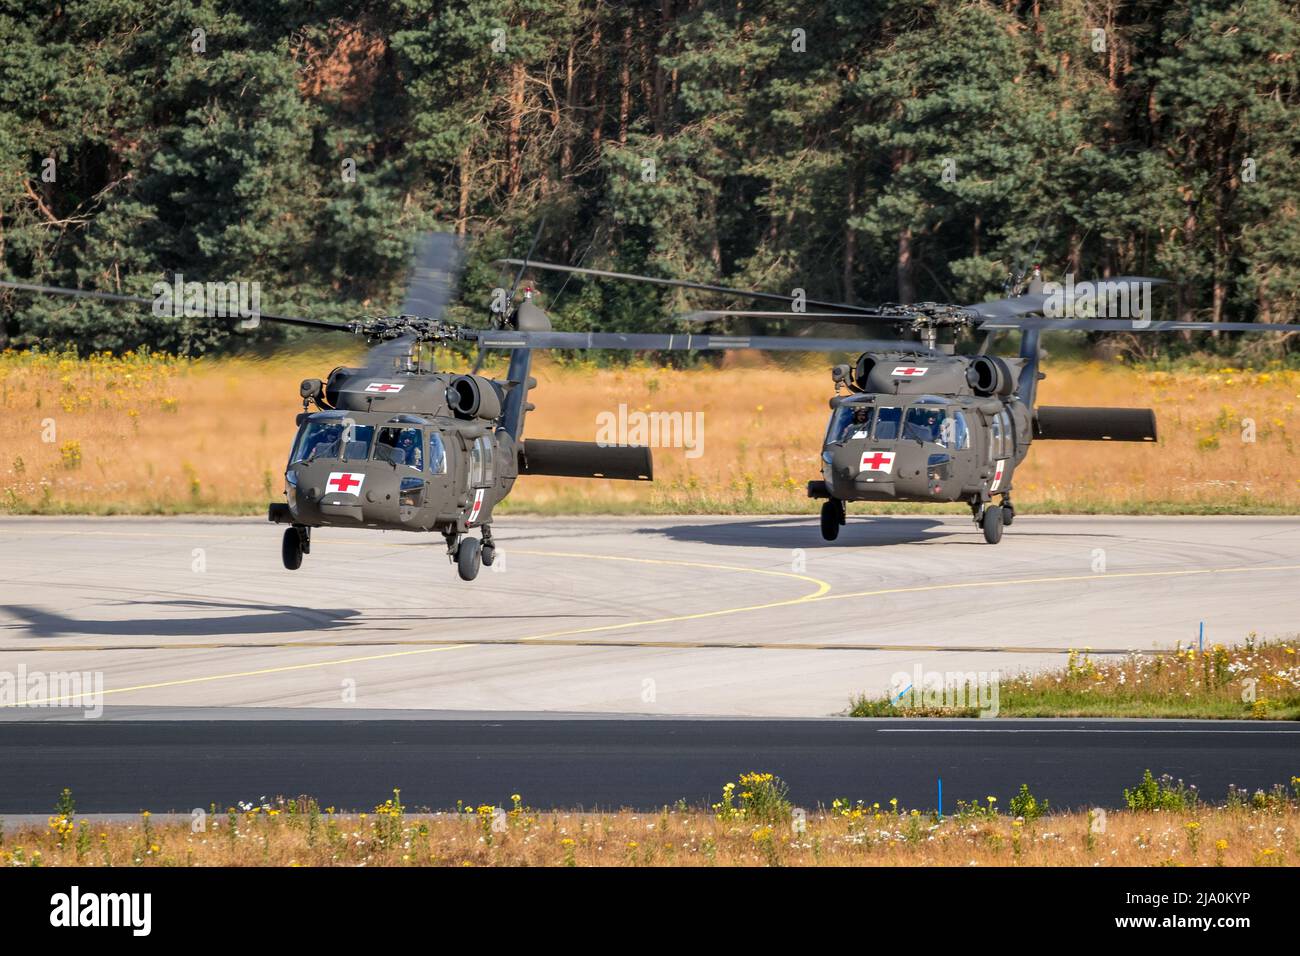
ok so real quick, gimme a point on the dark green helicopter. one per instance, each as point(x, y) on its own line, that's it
point(397, 445)
point(913, 421)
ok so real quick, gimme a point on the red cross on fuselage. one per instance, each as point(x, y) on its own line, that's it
point(908, 371)
point(344, 482)
point(386, 388)
point(875, 460)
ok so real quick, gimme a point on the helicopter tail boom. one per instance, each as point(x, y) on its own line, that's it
point(1062, 423)
point(580, 459)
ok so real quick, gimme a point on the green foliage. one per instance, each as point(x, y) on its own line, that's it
point(915, 149)
point(1026, 806)
point(1163, 794)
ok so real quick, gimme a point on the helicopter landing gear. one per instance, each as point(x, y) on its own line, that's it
point(833, 515)
point(297, 542)
point(1008, 512)
point(992, 522)
point(468, 557)
point(489, 549)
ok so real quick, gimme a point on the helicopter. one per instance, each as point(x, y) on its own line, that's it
point(912, 421)
point(398, 445)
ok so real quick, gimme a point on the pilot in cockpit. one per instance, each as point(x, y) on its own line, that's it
point(858, 426)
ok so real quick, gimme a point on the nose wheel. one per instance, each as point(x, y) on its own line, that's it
point(469, 555)
point(468, 558)
point(992, 521)
point(833, 515)
point(296, 543)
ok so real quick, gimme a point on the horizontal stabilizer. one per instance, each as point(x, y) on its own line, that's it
point(1094, 424)
point(582, 459)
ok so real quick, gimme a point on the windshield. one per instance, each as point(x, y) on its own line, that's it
point(849, 421)
point(924, 423)
point(887, 420)
point(400, 446)
point(333, 440)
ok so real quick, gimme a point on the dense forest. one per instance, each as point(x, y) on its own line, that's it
point(894, 150)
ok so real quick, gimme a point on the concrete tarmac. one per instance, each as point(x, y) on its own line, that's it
point(655, 616)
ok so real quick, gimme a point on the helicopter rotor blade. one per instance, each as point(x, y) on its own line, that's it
point(389, 356)
point(141, 300)
point(523, 263)
point(434, 274)
point(481, 357)
point(649, 342)
point(1137, 325)
point(682, 284)
point(708, 315)
point(1035, 302)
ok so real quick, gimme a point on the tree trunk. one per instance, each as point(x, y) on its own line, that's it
point(850, 240)
point(906, 282)
point(625, 86)
point(462, 209)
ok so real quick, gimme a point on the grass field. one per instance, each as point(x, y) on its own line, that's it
point(158, 435)
point(1257, 680)
point(752, 824)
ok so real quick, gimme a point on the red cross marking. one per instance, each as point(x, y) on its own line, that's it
point(344, 482)
point(874, 461)
point(386, 388)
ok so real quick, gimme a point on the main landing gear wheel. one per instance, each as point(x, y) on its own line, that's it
point(291, 549)
point(832, 518)
point(992, 524)
point(468, 558)
point(1008, 513)
point(488, 554)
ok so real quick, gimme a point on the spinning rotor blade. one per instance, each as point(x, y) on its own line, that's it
point(682, 284)
point(141, 300)
point(684, 342)
point(434, 275)
point(388, 356)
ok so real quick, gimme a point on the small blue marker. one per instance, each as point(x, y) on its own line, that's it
point(940, 798)
point(902, 692)
point(1202, 637)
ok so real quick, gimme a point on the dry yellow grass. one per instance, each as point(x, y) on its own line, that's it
point(140, 434)
point(1256, 830)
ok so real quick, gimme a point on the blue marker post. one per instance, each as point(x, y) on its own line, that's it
point(1202, 637)
point(940, 798)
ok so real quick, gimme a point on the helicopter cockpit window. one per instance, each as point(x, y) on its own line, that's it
point(849, 421)
point(956, 432)
point(887, 421)
point(356, 442)
point(319, 440)
point(924, 423)
point(437, 455)
point(332, 440)
point(480, 462)
point(400, 446)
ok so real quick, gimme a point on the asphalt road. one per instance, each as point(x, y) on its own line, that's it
point(651, 616)
point(176, 765)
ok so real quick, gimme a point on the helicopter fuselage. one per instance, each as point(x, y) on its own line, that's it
point(411, 450)
point(941, 428)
